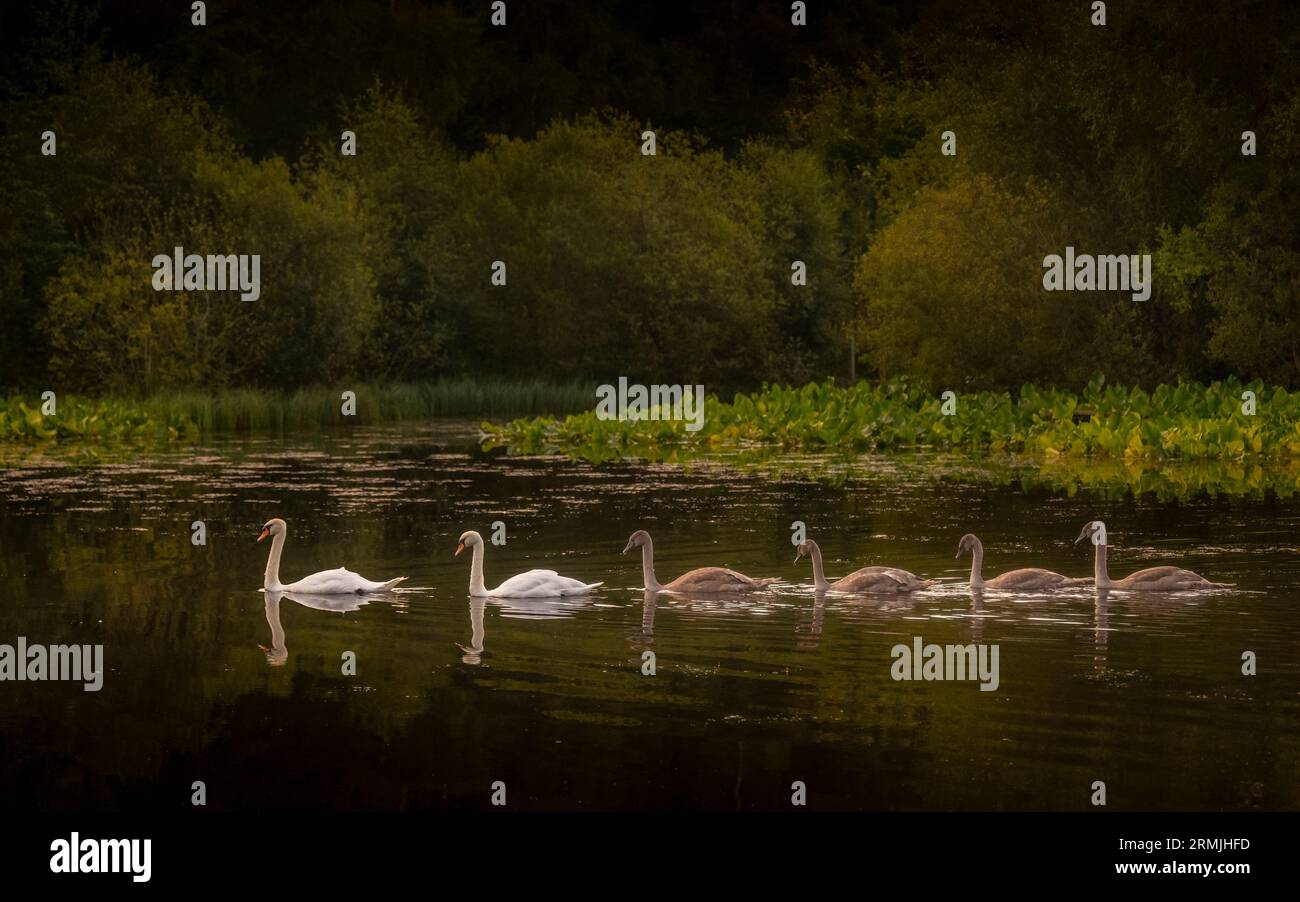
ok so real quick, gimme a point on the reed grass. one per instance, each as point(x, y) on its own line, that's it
point(188, 414)
point(252, 410)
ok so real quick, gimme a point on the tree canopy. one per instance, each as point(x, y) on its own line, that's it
point(774, 144)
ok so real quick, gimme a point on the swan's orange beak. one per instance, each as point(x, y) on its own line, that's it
point(459, 549)
point(265, 533)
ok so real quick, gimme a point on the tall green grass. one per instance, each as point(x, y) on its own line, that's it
point(252, 410)
point(189, 414)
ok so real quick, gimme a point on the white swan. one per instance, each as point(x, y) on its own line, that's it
point(533, 584)
point(328, 582)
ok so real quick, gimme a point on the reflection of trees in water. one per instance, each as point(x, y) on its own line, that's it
point(1167, 480)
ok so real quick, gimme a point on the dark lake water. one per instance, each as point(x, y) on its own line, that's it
point(208, 680)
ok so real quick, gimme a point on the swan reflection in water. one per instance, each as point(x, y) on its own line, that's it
point(1145, 611)
point(1149, 604)
point(473, 653)
point(809, 627)
point(278, 654)
point(976, 616)
point(1100, 628)
point(549, 608)
point(650, 599)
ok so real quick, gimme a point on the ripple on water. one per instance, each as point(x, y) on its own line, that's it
point(783, 681)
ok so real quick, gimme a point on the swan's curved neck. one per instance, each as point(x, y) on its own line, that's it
point(648, 566)
point(977, 564)
point(476, 572)
point(819, 575)
point(1100, 574)
point(271, 579)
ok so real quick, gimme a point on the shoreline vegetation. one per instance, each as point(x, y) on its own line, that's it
point(187, 416)
point(1187, 421)
point(1174, 441)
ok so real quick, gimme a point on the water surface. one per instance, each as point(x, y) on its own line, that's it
point(208, 679)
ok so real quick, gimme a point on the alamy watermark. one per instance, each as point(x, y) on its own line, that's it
point(54, 662)
point(180, 271)
point(103, 856)
point(632, 401)
point(1108, 272)
point(946, 662)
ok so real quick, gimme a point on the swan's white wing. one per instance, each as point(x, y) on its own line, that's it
point(540, 584)
point(330, 582)
point(535, 583)
point(339, 582)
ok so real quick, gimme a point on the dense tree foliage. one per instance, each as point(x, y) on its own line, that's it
point(523, 145)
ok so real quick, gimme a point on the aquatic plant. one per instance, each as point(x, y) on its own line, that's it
point(1225, 420)
point(80, 418)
